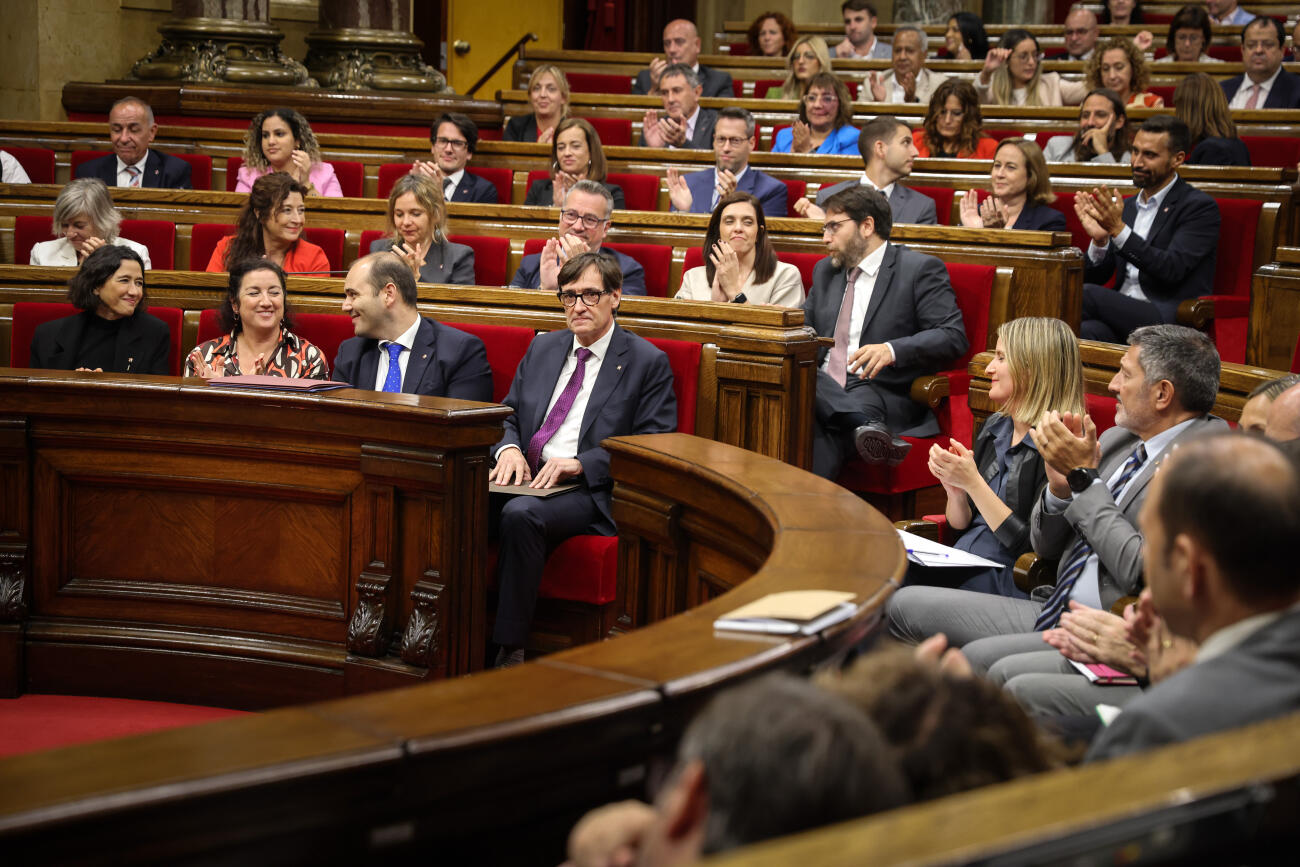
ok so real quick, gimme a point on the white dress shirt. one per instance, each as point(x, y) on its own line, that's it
point(1131, 285)
point(1087, 589)
point(455, 178)
point(690, 129)
point(713, 203)
point(1234, 634)
point(124, 177)
point(1242, 96)
point(861, 300)
point(886, 191)
point(406, 339)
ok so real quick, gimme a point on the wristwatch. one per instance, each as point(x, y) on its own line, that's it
point(739, 299)
point(1081, 478)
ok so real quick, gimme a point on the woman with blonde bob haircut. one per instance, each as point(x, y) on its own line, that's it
point(417, 216)
point(991, 489)
point(807, 58)
point(548, 94)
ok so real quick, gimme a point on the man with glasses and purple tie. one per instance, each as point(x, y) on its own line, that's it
point(397, 350)
point(584, 220)
point(133, 163)
point(1086, 517)
point(574, 388)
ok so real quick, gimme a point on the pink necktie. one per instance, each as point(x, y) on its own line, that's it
point(1253, 102)
point(839, 357)
point(135, 175)
point(558, 412)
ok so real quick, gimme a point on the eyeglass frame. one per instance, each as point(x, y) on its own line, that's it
point(456, 143)
point(570, 299)
point(571, 215)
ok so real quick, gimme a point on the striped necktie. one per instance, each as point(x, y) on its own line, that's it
point(134, 172)
point(1072, 566)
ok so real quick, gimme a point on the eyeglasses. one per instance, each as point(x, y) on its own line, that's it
point(572, 216)
point(454, 143)
point(814, 98)
point(590, 297)
point(834, 226)
point(734, 141)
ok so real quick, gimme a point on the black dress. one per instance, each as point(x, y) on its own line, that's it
point(543, 193)
point(1215, 151)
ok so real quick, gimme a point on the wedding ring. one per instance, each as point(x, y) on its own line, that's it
point(1096, 636)
point(1166, 643)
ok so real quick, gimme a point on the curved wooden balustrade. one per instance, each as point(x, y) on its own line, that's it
point(493, 767)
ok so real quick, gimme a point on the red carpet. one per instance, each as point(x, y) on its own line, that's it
point(40, 722)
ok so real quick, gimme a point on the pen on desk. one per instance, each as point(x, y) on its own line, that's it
point(927, 553)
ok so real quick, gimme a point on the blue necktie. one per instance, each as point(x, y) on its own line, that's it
point(1072, 566)
point(393, 381)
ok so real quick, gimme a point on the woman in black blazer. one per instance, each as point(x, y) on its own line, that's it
point(1022, 192)
point(417, 216)
point(1200, 103)
point(112, 333)
point(576, 154)
point(548, 92)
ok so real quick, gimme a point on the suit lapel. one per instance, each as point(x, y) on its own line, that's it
point(368, 364)
point(550, 364)
point(422, 349)
point(611, 373)
point(884, 279)
point(1167, 207)
point(67, 339)
point(434, 264)
point(152, 170)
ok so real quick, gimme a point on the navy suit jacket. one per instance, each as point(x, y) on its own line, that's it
point(772, 195)
point(633, 394)
point(1176, 259)
point(1285, 92)
point(1040, 217)
point(472, 188)
point(160, 170)
point(714, 82)
point(143, 345)
point(444, 362)
point(529, 275)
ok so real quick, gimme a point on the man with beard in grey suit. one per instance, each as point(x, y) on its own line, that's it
point(887, 152)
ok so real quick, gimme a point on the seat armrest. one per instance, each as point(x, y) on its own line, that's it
point(919, 527)
point(1033, 571)
point(931, 390)
point(1200, 312)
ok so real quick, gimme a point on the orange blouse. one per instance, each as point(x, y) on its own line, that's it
point(302, 257)
point(985, 146)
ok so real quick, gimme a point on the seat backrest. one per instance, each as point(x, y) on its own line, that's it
point(694, 258)
point(200, 170)
point(613, 131)
point(351, 177)
point(329, 240)
point(158, 236)
point(1273, 151)
point(204, 238)
point(208, 327)
point(1101, 407)
point(684, 359)
point(973, 286)
point(368, 237)
point(38, 163)
point(1064, 204)
point(325, 330)
point(1238, 226)
point(533, 245)
point(596, 82)
point(499, 178)
point(738, 88)
point(27, 315)
point(491, 257)
point(233, 165)
point(79, 157)
point(534, 176)
point(640, 192)
point(389, 174)
point(1000, 134)
point(942, 202)
point(805, 262)
point(795, 190)
point(656, 259)
point(30, 230)
point(1165, 92)
point(173, 317)
point(506, 346)
point(763, 85)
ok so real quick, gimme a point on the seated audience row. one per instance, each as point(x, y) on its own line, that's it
point(86, 219)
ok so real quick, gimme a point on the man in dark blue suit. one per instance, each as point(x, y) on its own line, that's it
point(453, 138)
point(397, 350)
point(133, 163)
point(1159, 245)
point(584, 220)
point(572, 390)
point(733, 141)
point(682, 45)
point(1265, 83)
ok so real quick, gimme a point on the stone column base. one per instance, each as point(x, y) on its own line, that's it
point(352, 58)
point(221, 50)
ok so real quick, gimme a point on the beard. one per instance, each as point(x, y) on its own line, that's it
point(851, 255)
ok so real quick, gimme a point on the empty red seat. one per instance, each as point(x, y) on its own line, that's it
point(200, 170)
point(1165, 92)
point(763, 85)
point(640, 192)
point(38, 163)
point(329, 240)
point(351, 177)
point(491, 258)
point(596, 82)
point(158, 237)
point(30, 230)
point(613, 131)
point(656, 259)
point(1276, 151)
point(502, 179)
point(1234, 265)
point(805, 262)
point(506, 346)
point(233, 165)
point(942, 202)
point(389, 175)
point(795, 190)
point(204, 238)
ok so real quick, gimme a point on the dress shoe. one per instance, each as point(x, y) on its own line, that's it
point(509, 658)
point(877, 445)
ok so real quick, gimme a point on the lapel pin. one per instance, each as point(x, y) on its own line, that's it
point(422, 357)
point(620, 367)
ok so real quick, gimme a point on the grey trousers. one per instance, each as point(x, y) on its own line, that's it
point(985, 626)
point(1046, 684)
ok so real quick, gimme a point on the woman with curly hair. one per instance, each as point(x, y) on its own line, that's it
point(1013, 75)
point(1119, 66)
point(808, 58)
point(770, 35)
point(270, 227)
point(281, 140)
point(824, 124)
point(952, 125)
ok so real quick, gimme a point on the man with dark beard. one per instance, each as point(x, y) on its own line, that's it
point(1159, 245)
point(913, 328)
point(1102, 135)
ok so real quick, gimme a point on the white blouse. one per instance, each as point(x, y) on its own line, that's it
point(785, 288)
point(60, 253)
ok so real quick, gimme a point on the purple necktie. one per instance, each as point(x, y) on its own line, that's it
point(558, 412)
point(839, 357)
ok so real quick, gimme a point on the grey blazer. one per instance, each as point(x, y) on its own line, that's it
point(444, 263)
point(906, 205)
point(1254, 681)
point(1110, 527)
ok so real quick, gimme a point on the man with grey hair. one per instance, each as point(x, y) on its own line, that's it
point(584, 220)
point(684, 124)
point(682, 45)
point(768, 759)
point(133, 163)
point(1086, 517)
point(733, 142)
point(909, 80)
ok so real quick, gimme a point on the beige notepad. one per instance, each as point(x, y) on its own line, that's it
point(790, 612)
